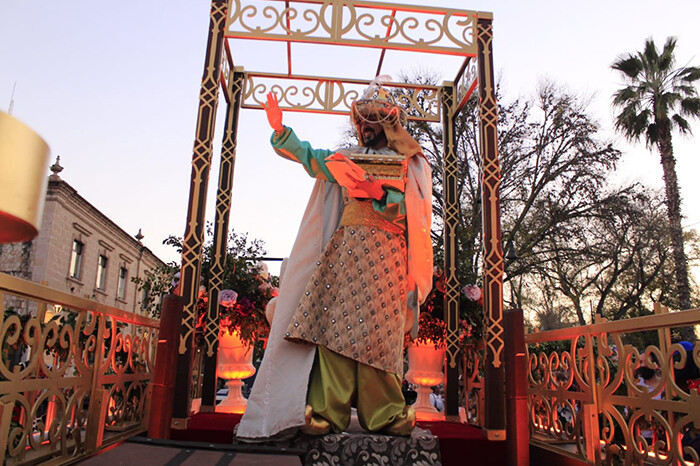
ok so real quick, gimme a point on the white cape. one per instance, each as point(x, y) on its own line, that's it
point(278, 398)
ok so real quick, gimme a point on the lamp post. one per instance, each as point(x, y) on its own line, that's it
point(511, 253)
point(510, 256)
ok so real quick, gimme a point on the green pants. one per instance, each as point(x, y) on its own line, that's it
point(338, 382)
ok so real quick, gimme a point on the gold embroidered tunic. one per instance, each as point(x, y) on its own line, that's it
point(355, 302)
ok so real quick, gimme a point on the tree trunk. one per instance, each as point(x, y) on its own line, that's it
point(673, 205)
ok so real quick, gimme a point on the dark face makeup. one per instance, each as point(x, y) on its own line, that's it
point(373, 134)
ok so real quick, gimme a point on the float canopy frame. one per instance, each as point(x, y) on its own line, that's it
point(386, 29)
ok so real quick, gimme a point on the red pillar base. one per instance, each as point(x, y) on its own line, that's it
point(163, 387)
point(518, 429)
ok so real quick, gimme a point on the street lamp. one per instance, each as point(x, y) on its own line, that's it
point(511, 253)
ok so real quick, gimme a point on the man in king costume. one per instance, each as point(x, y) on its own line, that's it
point(360, 267)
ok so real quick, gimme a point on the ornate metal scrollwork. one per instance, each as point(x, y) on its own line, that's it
point(472, 376)
point(55, 363)
point(467, 83)
point(335, 96)
point(338, 22)
point(612, 399)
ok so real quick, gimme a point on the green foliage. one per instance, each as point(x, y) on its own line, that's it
point(247, 315)
point(243, 273)
point(656, 93)
point(431, 330)
point(615, 262)
point(658, 97)
point(153, 286)
point(549, 347)
point(431, 323)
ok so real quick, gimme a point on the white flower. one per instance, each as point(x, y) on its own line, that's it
point(472, 292)
point(176, 280)
point(227, 298)
point(262, 270)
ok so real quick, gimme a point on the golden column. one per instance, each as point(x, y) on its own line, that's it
point(493, 250)
point(194, 228)
point(223, 209)
point(451, 221)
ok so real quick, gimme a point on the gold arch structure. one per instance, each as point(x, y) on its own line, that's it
point(389, 28)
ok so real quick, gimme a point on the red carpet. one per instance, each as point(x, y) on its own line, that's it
point(462, 443)
point(208, 427)
point(458, 442)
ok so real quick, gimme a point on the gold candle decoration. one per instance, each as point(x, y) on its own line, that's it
point(24, 157)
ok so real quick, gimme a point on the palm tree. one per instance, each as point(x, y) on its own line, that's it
point(656, 98)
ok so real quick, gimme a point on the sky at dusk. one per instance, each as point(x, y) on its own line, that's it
point(113, 88)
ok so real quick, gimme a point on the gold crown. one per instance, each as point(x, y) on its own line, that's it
point(377, 104)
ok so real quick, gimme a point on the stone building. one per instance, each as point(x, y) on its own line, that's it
point(79, 250)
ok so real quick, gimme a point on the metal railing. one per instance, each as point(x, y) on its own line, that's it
point(74, 374)
point(472, 396)
point(589, 398)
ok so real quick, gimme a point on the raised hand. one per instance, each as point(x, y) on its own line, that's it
point(274, 114)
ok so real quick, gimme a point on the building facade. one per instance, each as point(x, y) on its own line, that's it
point(79, 250)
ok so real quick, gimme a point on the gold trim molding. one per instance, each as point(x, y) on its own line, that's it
point(335, 96)
point(337, 22)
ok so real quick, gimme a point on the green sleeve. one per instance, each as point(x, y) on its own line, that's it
point(289, 146)
point(392, 206)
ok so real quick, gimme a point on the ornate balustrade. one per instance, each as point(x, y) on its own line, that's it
point(473, 397)
point(312, 94)
point(586, 396)
point(74, 373)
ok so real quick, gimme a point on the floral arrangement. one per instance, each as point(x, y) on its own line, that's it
point(431, 330)
point(247, 287)
point(243, 311)
point(431, 325)
point(472, 292)
point(471, 309)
